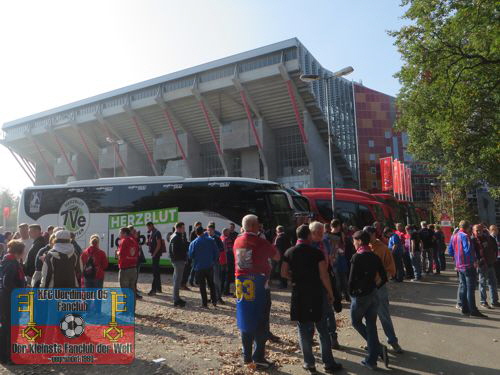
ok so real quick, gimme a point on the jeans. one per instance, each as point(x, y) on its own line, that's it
point(435, 258)
point(459, 290)
point(283, 281)
point(156, 285)
point(398, 262)
point(497, 269)
point(487, 276)
point(341, 280)
point(259, 338)
point(408, 265)
point(230, 272)
point(366, 307)
point(442, 261)
point(329, 315)
point(216, 278)
point(204, 277)
point(467, 289)
point(417, 266)
point(186, 273)
point(267, 314)
point(385, 316)
point(223, 276)
point(306, 333)
point(178, 273)
point(427, 260)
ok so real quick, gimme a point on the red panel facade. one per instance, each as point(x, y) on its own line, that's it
point(375, 116)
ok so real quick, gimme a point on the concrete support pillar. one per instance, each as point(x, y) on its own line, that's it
point(317, 152)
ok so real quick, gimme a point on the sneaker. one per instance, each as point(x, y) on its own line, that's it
point(263, 364)
point(458, 307)
point(192, 285)
point(332, 368)
point(273, 338)
point(311, 369)
point(335, 344)
point(221, 301)
point(397, 348)
point(247, 361)
point(152, 293)
point(180, 303)
point(496, 304)
point(367, 365)
point(485, 305)
point(204, 307)
point(138, 296)
point(478, 314)
point(385, 356)
point(184, 287)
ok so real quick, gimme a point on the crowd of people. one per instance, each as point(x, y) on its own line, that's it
point(324, 264)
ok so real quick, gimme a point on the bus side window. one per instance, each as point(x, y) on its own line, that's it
point(365, 216)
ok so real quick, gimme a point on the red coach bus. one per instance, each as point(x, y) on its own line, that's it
point(397, 211)
point(351, 208)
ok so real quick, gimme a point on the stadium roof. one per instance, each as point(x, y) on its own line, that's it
point(192, 98)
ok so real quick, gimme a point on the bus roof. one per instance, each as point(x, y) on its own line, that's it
point(112, 181)
point(339, 190)
point(341, 195)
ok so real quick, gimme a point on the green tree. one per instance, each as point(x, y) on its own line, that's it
point(8, 199)
point(452, 201)
point(449, 100)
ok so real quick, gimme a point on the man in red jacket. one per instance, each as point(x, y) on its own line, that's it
point(127, 259)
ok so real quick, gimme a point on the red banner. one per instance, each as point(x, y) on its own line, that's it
point(386, 173)
point(395, 176)
point(410, 188)
point(403, 179)
point(6, 212)
point(404, 187)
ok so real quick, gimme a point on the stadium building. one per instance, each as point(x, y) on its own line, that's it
point(245, 115)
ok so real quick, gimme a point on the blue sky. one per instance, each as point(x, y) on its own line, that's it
point(62, 51)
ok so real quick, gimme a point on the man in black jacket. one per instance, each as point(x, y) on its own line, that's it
point(367, 274)
point(35, 232)
point(307, 268)
point(178, 250)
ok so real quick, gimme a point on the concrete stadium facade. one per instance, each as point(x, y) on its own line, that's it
point(246, 115)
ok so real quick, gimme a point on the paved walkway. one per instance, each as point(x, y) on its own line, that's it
point(436, 337)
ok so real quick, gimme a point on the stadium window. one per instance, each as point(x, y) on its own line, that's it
point(387, 134)
point(388, 149)
point(371, 143)
point(373, 156)
point(373, 170)
point(374, 184)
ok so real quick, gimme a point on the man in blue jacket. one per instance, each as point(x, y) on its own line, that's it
point(462, 250)
point(204, 253)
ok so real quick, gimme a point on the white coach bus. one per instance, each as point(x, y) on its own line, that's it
point(105, 205)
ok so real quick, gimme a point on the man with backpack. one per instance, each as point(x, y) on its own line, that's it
point(156, 249)
point(62, 266)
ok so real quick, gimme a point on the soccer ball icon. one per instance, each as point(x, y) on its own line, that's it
point(72, 326)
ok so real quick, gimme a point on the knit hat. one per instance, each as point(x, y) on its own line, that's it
point(63, 235)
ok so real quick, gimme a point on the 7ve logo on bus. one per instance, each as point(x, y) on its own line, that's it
point(74, 216)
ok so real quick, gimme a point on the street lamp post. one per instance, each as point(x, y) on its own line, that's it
point(316, 77)
point(116, 145)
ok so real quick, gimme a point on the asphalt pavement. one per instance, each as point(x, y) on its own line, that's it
point(436, 337)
